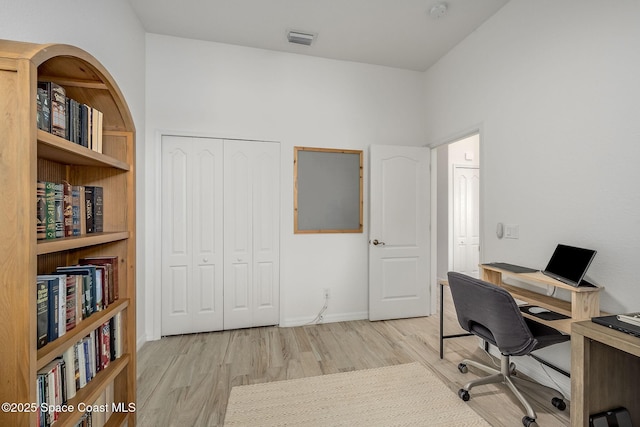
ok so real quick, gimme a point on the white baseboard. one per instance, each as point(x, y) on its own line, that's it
point(140, 342)
point(327, 318)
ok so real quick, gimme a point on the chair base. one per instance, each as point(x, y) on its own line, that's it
point(505, 376)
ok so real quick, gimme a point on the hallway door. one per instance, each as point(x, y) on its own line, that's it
point(399, 234)
point(466, 219)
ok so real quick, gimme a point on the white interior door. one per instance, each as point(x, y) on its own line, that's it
point(399, 233)
point(192, 257)
point(466, 220)
point(252, 230)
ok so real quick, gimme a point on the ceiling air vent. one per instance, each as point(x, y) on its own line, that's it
point(300, 38)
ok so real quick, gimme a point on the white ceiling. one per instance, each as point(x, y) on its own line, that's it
point(394, 33)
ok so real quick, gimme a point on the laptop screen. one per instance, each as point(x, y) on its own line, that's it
point(569, 264)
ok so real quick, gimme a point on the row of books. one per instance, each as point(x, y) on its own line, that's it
point(73, 293)
point(64, 376)
point(65, 210)
point(68, 118)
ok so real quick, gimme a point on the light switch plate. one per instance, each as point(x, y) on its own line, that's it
point(511, 231)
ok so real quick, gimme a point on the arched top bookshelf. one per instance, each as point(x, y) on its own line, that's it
point(83, 76)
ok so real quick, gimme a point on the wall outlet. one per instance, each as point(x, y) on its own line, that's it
point(326, 293)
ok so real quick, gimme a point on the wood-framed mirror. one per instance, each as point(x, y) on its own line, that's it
point(327, 190)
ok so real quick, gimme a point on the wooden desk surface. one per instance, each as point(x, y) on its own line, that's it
point(608, 336)
point(540, 278)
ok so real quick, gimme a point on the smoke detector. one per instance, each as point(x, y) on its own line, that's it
point(299, 37)
point(437, 11)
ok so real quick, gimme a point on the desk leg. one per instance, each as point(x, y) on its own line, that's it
point(580, 366)
point(442, 335)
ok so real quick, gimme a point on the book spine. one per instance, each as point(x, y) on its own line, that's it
point(42, 312)
point(44, 94)
point(67, 205)
point(71, 302)
point(59, 209)
point(41, 211)
point(89, 200)
point(58, 110)
point(75, 210)
point(50, 200)
point(98, 210)
point(53, 307)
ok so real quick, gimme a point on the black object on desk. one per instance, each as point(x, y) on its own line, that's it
point(542, 313)
point(613, 323)
point(511, 267)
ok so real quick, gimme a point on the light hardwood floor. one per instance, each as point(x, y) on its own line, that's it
point(185, 380)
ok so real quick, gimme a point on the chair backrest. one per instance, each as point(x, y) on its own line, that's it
point(490, 312)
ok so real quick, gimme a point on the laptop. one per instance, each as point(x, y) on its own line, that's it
point(569, 264)
point(613, 323)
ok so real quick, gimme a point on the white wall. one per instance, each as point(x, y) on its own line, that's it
point(109, 31)
point(555, 87)
point(218, 90)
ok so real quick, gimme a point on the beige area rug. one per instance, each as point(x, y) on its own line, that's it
point(400, 395)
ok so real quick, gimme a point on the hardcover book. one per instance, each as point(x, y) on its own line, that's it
point(75, 210)
point(41, 211)
point(42, 312)
point(43, 104)
point(67, 209)
point(50, 200)
point(111, 262)
point(58, 200)
point(89, 200)
point(98, 211)
point(58, 110)
point(94, 205)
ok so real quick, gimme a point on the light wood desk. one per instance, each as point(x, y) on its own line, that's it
point(605, 372)
point(584, 304)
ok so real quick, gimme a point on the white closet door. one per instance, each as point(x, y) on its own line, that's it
point(251, 234)
point(192, 235)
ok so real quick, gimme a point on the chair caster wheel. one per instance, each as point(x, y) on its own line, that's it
point(464, 394)
point(463, 368)
point(529, 422)
point(559, 403)
point(512, 368)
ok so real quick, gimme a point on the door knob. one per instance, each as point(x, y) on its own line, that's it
point(376, 242)
point(205, 259)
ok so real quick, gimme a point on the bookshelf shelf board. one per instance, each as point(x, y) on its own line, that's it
point(92, 390)
point(68, 243)
point(63, 81)
point(55, 348)
point(52, 147)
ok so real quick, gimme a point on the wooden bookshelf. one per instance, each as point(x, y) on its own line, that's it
point(27, 155)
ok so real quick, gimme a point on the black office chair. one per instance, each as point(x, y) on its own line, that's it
point(491, 313)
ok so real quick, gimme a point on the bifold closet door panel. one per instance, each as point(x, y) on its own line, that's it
point(251, 230)
point(192, 235)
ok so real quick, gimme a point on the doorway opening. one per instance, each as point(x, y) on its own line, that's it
point(457, 213)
